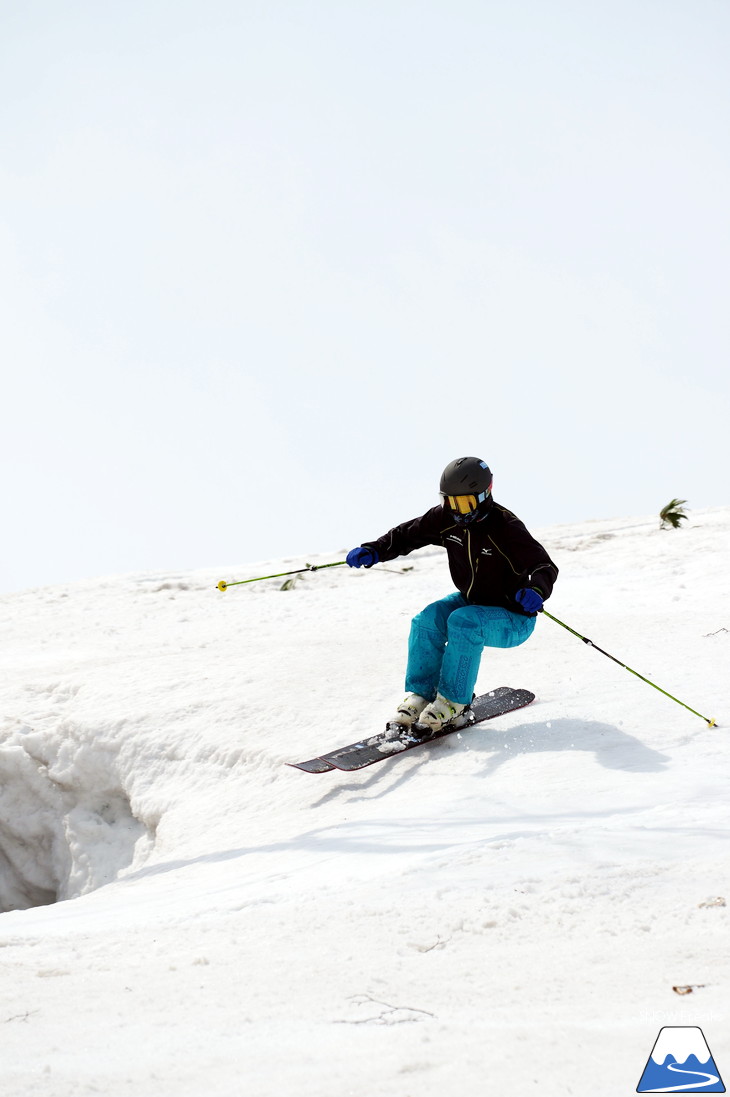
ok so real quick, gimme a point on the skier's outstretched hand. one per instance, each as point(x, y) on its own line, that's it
point(529, 599)
point(362, 557)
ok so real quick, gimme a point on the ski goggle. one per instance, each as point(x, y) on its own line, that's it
point(461, 504)
point(464, 504)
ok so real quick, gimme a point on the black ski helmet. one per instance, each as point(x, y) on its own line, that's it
point(467, 476)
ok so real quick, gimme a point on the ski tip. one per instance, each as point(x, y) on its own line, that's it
point(314, 765)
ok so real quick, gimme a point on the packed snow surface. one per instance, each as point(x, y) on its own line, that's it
point(506, 910)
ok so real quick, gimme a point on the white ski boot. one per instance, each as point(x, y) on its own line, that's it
point(409, 710)
point(440, 714)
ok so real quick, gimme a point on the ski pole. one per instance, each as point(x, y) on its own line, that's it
point(585, 640)
point(223, 585)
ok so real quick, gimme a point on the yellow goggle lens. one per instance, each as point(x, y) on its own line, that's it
point(462, 504)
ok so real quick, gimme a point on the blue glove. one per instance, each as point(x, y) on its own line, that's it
point(529, 599)
point(363, 557)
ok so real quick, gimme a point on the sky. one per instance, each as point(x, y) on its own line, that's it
point(267, 267)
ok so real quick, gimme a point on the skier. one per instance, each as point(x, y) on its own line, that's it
point(502, 575)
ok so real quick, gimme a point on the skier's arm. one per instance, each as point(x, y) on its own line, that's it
point(530, 563)
point(415, 534)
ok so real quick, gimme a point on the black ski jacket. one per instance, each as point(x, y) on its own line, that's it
point(489, 560)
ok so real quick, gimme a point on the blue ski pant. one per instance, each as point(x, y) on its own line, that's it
point(446, 643)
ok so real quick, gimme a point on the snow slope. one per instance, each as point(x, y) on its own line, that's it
point(506, 911)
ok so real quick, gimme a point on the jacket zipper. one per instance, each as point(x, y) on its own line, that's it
point(471, 562)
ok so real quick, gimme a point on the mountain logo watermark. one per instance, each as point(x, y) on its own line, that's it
point(681, 1062)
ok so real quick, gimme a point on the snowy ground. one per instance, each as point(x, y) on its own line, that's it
point(504, 912)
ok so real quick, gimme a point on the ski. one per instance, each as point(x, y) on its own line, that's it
point(396, 740)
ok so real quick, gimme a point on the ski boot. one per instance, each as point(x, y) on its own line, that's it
point(439, 715)
point(408, 711)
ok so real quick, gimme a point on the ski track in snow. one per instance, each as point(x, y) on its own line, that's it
point(506, 910)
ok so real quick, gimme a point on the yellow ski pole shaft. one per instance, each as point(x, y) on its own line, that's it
point(224, 584)
point(711, 723)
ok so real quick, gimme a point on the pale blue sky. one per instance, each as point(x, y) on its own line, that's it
point(266, 267)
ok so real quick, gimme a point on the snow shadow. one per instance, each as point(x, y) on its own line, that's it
point(611, 747)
